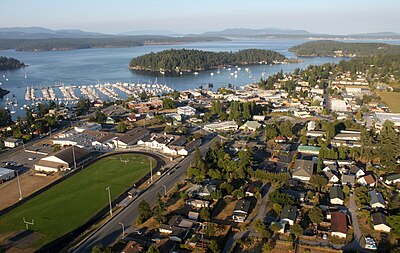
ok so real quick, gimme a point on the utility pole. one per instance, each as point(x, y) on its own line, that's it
point(27, 223)
point(73, 156)
point(123, 228)
point(19, 185)
point(165, 190)
point(109, 199)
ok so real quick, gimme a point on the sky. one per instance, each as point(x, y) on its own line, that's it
point(196, 16)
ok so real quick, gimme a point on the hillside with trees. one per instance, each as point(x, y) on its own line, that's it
point(196, 60)
point(336, 48)
point(60, 44)
point(10, 63)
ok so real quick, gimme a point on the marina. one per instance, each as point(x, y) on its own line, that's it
point(94, 92)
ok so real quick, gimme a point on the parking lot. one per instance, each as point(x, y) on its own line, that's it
point(23, 160)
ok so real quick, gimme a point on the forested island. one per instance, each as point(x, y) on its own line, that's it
point(185, 60)
point(54, 44)
point(10, 63)
point(343, 49)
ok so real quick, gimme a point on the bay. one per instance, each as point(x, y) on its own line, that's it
point(91, 66)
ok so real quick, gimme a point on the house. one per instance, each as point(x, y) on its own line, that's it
point(281, 226)
point(338, 224)
point(131, 137)
point(252, 189)
point(377, 200)
point(258, 117)
point(12, 142)
point(303, 170)
point(110, 120)
point(190, 147)
point(299, 196)
point(393, 179)
point(133, 247)
point(193, 215)
point(315, 133)
point(289, 214)
point(367, 180)
point(348, 179)
point(331, 177)
point(379, 221)
point(6, 174)
point(64, 160)
point(331, 167)
point(355, 170)
point(186, 111)
point(336, 195)
point(241, 211)
point(250, 126)
point(198, 203)
point(131, 118)
point(202, 191)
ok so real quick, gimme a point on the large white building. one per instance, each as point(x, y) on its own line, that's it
point(222, 126)
point(63, 160)
point(381, 117)
point(339, 105)
point(186, 110)
point(6, 174)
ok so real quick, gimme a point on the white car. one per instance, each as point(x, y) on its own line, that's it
point(370, 243)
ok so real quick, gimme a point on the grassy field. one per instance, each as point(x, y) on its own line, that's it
point(72, 202)
point(392, 99)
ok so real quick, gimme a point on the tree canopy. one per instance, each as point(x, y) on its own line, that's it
point(196, 60)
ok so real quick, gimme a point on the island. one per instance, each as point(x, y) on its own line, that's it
point(329, 48)
point(63, 44)
point(189, 60)
point(10, 63)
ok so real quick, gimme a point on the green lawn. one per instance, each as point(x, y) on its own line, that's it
point(392, 99)
point(72, 202)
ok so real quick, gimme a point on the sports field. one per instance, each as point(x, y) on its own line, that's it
point(392, 99)
point(74, 201)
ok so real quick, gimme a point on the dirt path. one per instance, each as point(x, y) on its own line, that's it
point(29, 184)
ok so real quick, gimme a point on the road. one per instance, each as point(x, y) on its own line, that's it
point(111, 231)
point(262, 211)
point(358, 237)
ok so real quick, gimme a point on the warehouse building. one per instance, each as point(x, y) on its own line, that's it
point(6, 174)
point(64, 160)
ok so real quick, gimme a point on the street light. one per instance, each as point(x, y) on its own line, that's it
point(19, 186)
point(151, 171)
point(123, 228)
point(109, 199)
point(165, 190)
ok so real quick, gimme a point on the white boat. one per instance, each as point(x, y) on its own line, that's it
point(196, 73)
point(212, 74)
point(162, 72)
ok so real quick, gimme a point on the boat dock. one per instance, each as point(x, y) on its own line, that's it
point(95, 92)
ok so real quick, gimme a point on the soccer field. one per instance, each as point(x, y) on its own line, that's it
point(74, 201)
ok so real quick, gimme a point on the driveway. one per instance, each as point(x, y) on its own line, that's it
point(262, 210)
point(358, 237)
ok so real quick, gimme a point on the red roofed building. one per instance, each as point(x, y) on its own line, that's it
point(339, 224)
point(367, 180)
point(131, 118)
